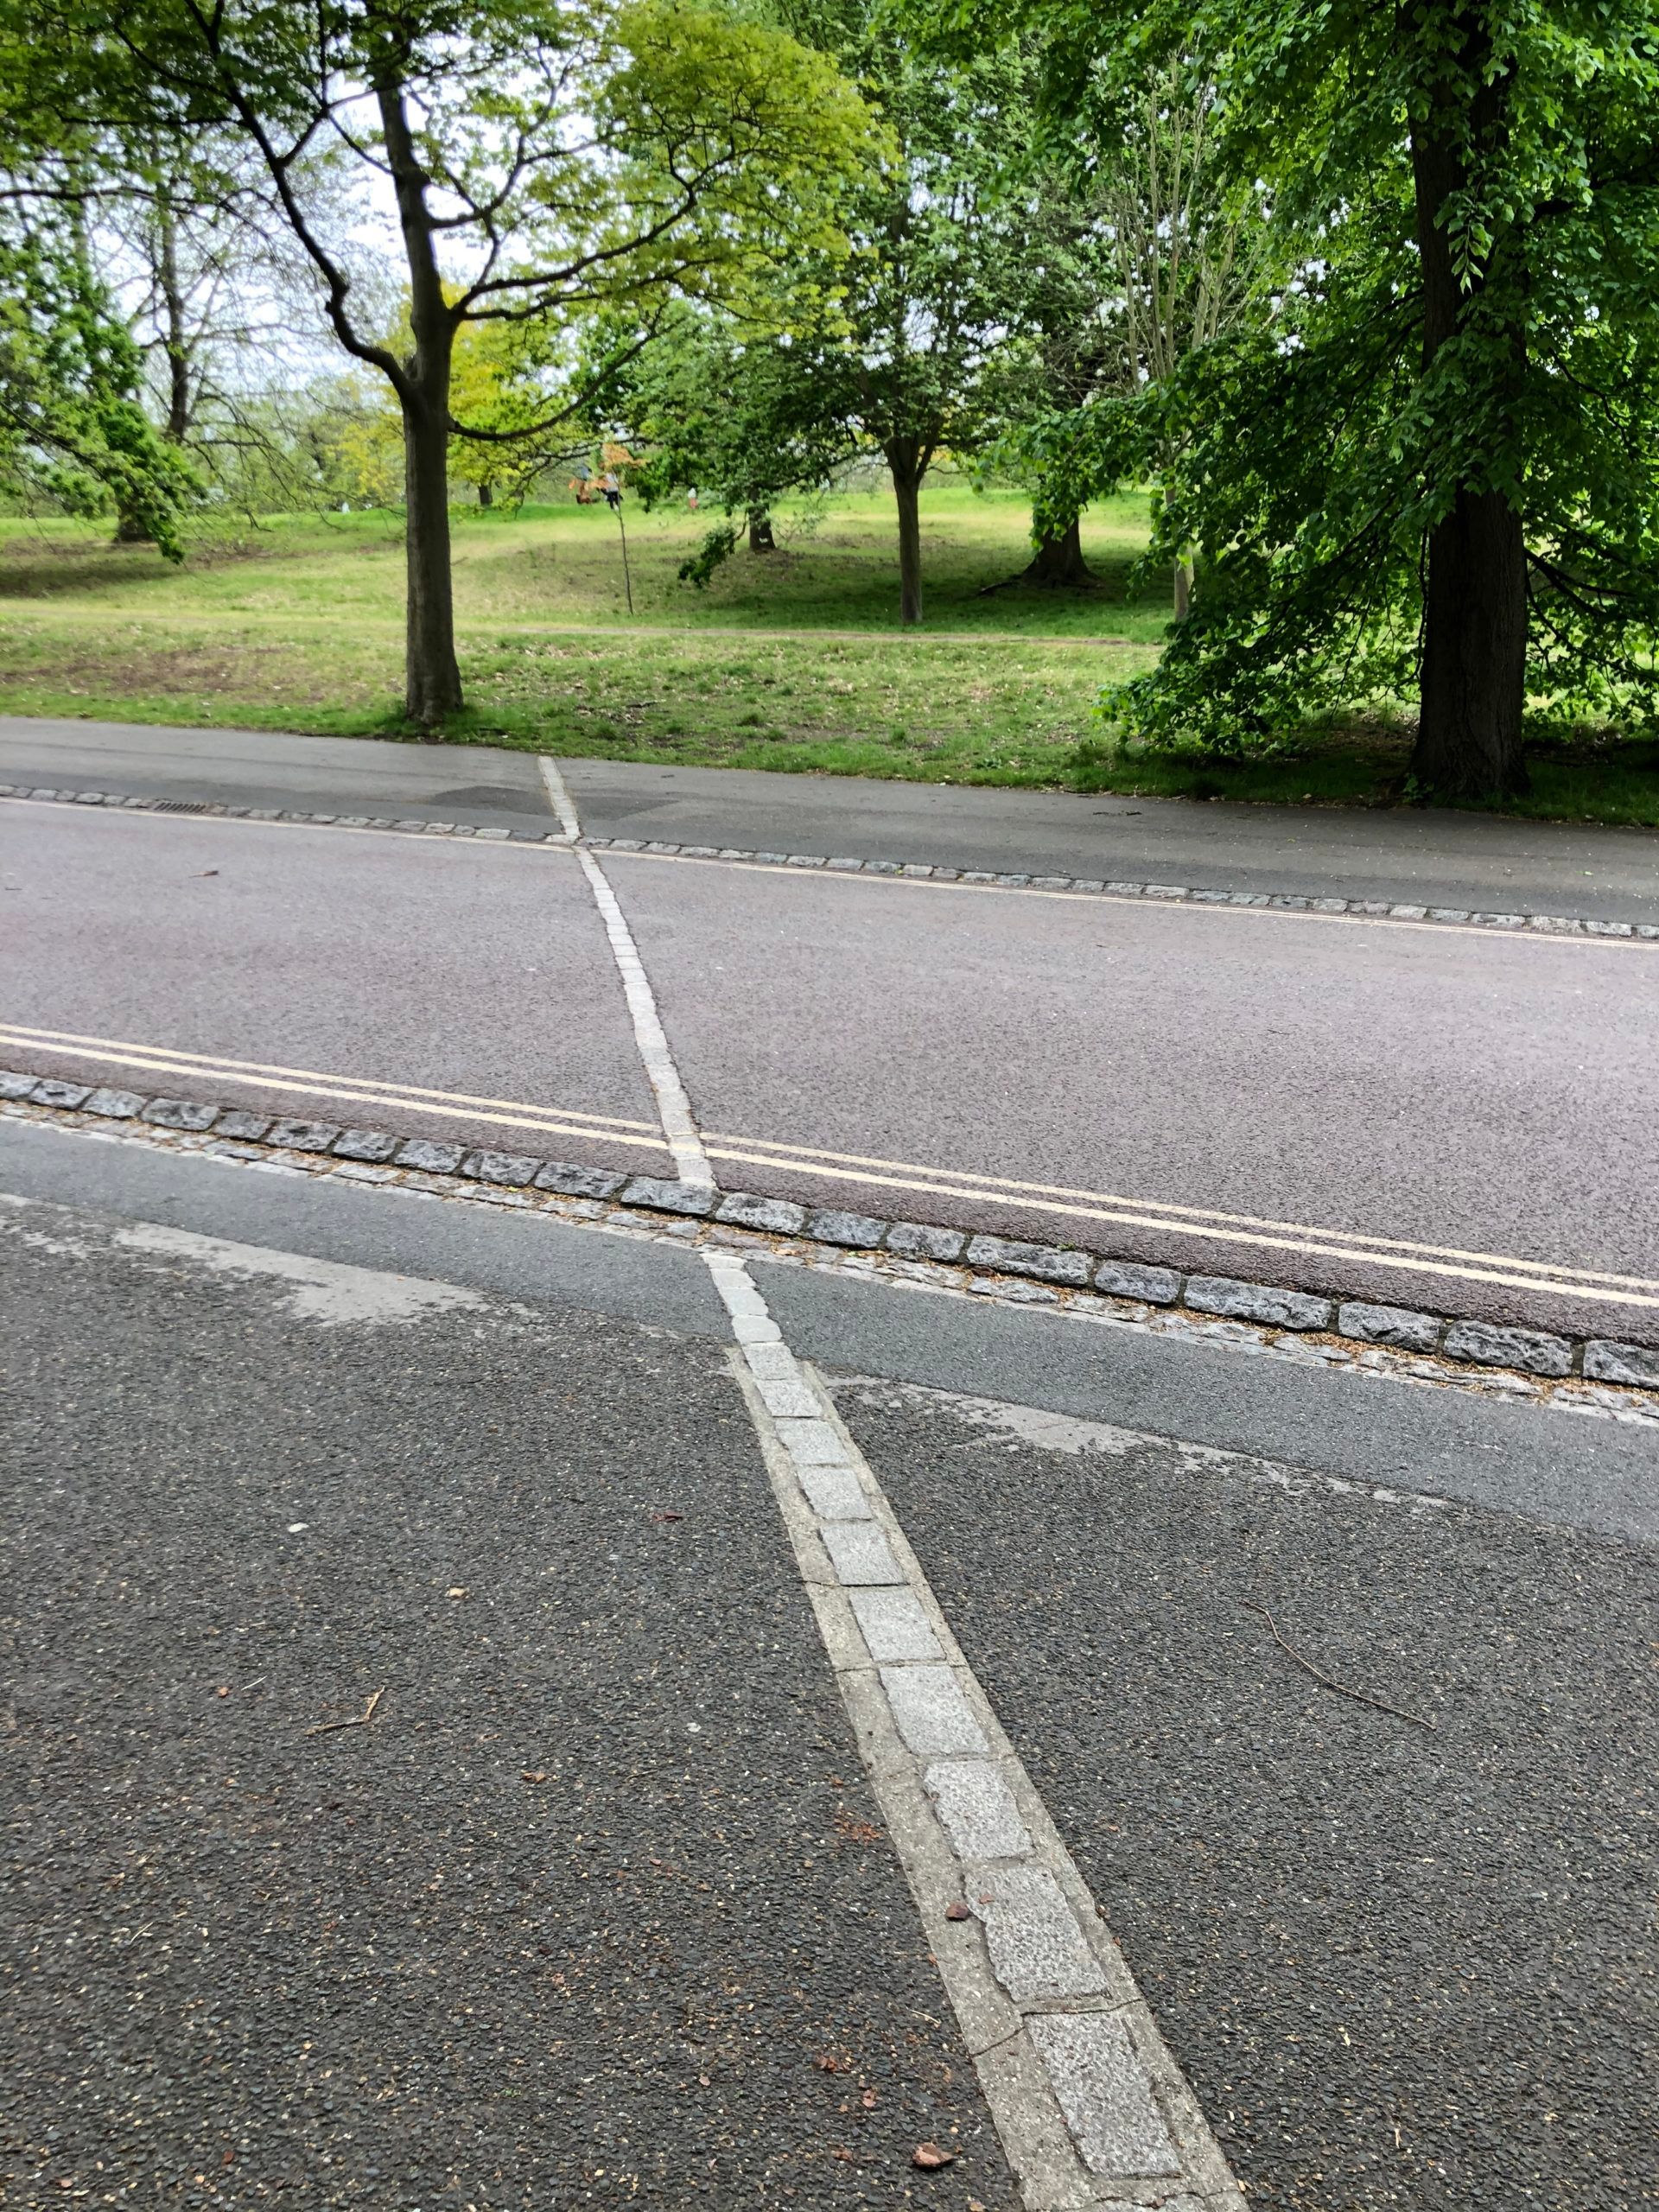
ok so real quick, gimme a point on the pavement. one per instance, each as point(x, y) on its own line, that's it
point(594, 1910)
point(483, 1683)
point(596, 1907)
point(1436, 857)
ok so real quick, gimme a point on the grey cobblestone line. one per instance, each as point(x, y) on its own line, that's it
point(1176, 894)
point(1594, 1375)
point(1090, 2106)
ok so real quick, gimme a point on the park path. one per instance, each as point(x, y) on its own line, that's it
point(1436, 858)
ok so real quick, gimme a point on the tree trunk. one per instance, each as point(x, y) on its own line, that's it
point(1059, 562)
point(431, 675)
point(177, 341)
point(487, 495)
point(907, 459)
point(1473, 682)
point(1473, 679)
point(1181, 580)
point(760, 537)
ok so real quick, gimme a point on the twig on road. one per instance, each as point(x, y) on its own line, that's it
point(357, 1720)
point(1343, 1689)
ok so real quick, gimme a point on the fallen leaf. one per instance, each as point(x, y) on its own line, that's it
point(846, 2156)
point(930, 2157)
point(457, 1592)
point(827, 2062)
point(535, 1774)
point(668, 1517)
point(223, 1690)
point(957, 1910)
point(868, 2100)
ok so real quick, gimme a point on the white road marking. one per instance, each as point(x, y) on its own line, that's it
point(539, 1124)
point(691, 1160)
point(320, 1290)
point(1549, 1278)
point(1089, 2105)
point(363, 1086)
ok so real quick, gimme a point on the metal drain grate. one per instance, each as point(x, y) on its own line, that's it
point(180, 806)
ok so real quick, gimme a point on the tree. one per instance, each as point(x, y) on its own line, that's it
point(733, 411)
point(934, 278)
point(1437, 471)
point(1189, 251)
point(186, 241)
point(71, 424)
point(1072, 347)
point(497, 386)
point(504, 382)
point(892, 348)
point(543, 158)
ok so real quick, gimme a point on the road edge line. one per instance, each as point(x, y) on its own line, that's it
point(1396, 914)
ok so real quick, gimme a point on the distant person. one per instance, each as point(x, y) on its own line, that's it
point(611, 488)
point(582, 484)
point(691, 499)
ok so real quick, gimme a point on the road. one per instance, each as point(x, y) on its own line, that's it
point(583, 1912)
point(1426, 1115)
point(1436, 858)
point(472, 1671)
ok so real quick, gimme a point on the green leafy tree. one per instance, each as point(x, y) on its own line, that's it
point(935, 276)
point(891, 349)
point(72, 426)
point(733, 411)
point(1436, 471)
point(543, 159)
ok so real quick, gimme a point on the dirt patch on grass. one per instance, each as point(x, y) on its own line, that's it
point(251, 672)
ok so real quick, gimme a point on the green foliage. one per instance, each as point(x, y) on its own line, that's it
point(893, 341)
point(1316, 460)
point(72, 428)
point(736, 411)
point(699, 567)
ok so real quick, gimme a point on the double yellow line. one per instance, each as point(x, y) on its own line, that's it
point(1206, 1223)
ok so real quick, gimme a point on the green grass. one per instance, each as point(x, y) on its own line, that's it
point(563, 564)
point(790, 660)
point(298, 625)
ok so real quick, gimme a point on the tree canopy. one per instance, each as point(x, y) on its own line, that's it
point(1432, 470)
point(545, 158)
point(72, 427)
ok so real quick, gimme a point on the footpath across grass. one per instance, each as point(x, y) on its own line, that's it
point(790, 660)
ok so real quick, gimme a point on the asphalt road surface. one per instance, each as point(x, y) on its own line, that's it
point(1435, 858)
point(472, 1675)
point(595, 1907)
point(1422, 1115)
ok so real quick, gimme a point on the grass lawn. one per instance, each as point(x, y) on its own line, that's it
point(790, 660)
